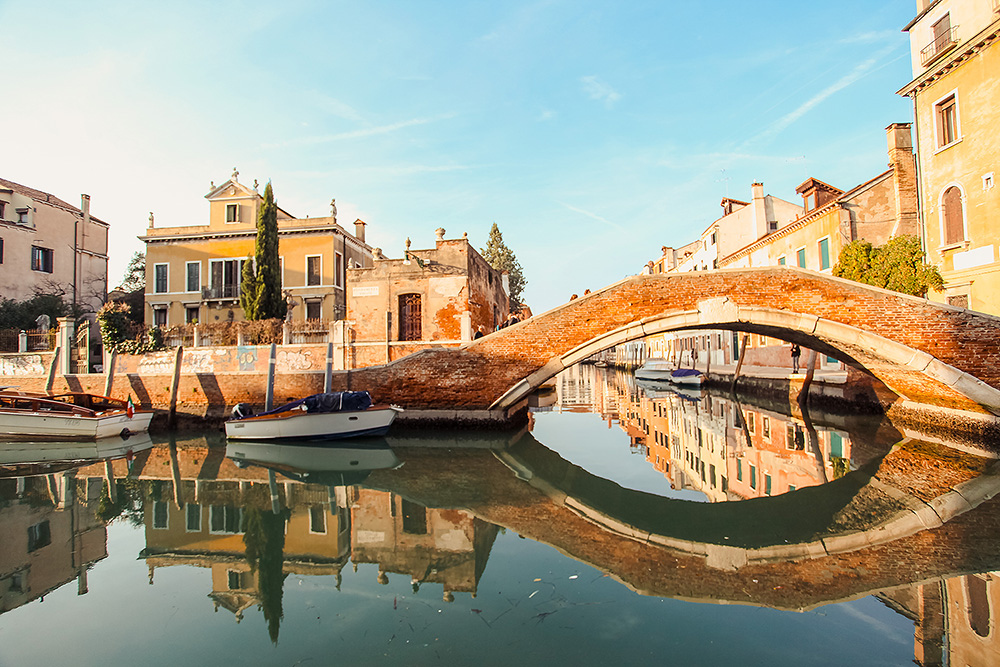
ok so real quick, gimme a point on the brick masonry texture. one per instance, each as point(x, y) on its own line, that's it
point(474, 376)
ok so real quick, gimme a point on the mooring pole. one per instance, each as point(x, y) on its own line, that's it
point(269, 396)
point(110, 382)
point(50, 382)
point(739, 362)
point(175, 385)
point(810, 370)
point(328, 382)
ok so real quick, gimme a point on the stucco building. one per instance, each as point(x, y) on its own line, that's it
point(193, 273)
point(956, 99)
point(429, 298)
point(52, 247)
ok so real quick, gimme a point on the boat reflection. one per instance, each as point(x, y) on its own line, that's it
point(819, 510)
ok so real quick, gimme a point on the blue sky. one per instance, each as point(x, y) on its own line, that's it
point(592, 133)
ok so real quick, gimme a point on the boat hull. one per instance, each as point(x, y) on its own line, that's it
point(313, 426)
point(17, 426)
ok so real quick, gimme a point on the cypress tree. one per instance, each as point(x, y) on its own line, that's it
point(500, 257)
point(261, 297)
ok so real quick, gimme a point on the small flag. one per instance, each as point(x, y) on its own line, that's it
point(130, 408)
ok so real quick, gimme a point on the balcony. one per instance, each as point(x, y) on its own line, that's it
point(941, 45)
point(221, 293)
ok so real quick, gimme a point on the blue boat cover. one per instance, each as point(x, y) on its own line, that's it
point(335, 401)
point(685, 372)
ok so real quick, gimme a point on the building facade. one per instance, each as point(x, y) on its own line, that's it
point(956, 100)
point(50, 247)
point(435, 297)
point(193, 273)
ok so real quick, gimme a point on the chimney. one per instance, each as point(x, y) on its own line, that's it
point(85, 207)
point(359, 230)
point(761, 227)
point(904, 178)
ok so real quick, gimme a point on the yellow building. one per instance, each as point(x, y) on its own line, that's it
point(956, 98)
point(193, 273)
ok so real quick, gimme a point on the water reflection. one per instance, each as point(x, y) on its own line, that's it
point(806, 510)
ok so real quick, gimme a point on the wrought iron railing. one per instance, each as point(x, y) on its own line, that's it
point(942, 43)
point(219, 292)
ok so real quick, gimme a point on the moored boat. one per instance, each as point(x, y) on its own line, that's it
point(330, 416)
point(687, 377)
point(69, 416)
point(655, 369)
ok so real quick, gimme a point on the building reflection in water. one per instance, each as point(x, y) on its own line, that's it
point(251, 517)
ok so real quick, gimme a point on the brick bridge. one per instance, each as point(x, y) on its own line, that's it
point(925, 352)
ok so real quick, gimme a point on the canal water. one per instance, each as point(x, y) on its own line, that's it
point(624, 523)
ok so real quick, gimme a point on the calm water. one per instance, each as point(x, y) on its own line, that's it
point(625, 523)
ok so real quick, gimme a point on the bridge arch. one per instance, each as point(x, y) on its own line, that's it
point(926, 352)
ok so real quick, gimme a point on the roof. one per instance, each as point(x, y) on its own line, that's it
point(810, 183)
point(43, 198)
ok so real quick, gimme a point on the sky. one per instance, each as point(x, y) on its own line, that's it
point(592, 133)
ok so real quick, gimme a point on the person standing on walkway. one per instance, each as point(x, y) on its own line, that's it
point(796, 353)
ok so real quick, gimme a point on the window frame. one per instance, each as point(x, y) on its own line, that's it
point(824, 257)
point(800, 257)
point(319, 273)
point(235, 208)
point(166, 278)
point(338, 269)
point(947, 101)
point(945, 243)
point(45, 261)
point(187, 277)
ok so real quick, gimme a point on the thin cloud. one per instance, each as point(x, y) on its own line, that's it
point(855, 75)
point(593, 216)
point(599, 90)
point(547, 114)
point(357, 134)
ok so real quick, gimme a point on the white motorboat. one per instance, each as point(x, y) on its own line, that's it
point(655, 369)
point(70, 416)
point(342, 414)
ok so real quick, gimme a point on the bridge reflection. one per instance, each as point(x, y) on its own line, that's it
point(853, 508)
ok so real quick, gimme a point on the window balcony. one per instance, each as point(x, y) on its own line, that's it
point(941, 45)
point(221, 293)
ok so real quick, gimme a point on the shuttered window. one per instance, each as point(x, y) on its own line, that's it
point(409, 317)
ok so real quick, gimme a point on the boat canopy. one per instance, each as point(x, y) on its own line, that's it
point(334, 401)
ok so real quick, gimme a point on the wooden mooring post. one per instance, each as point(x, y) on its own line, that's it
point(109, 383)
point(174, 386)
point(269, 396)
point(328, 380)
point(739, 362)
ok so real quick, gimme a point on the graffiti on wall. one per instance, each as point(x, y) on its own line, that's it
point(291, 362)
point(22, 364)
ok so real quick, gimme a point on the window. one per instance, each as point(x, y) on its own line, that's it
point(338, 269)
point(159, 278)
point(772, 226)
point(739, 470)
point(767, 485)
point(824, 254)
point(946, 121)
point(988, 181)
point(225, 278)
point(317, 519)
point(414, 517)
point(225, 519)
point(314, 310)
point(193, 276)
point(41, 259)
point(765, 427)
point(232, 212)
point(22, 216)
point(314, 265)
point(712, 239)
point(977, 592)
point(753, 477)
point(191, 315)
point(952, 216)
point(781, 261)
point(160, 317)
point(193, 511)
point(161, 517)
point(409, 317)
point(1, 251)
point(39, 535)
point(942, 33)
point(3, 205)
point(800, 257)
point(235, 581)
